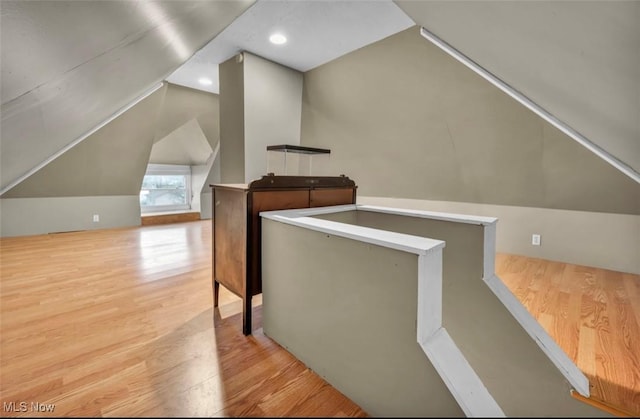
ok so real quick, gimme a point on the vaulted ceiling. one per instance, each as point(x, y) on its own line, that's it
point(316, 31)
point(68, 67)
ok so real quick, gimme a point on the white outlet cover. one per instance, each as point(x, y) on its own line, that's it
point(535, 239)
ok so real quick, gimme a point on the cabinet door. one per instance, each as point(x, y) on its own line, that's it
point(327, 197)
point(230, 239)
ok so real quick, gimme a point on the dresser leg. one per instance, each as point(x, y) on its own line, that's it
point(246, 315)
point(216, 292)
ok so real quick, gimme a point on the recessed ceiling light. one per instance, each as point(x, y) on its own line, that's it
point(278, 39)
point(205, 81)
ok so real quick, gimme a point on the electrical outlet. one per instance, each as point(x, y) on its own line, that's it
point(96, 218)
point(535, 239)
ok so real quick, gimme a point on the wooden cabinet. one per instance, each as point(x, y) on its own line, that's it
point(236, 225)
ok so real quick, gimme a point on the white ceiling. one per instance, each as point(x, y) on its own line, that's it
point(318, 31)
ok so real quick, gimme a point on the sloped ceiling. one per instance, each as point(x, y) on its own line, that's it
point(67, 66)
point(187, 145)
point(579, 60)
point(183, 104)
point(112, 161)
point(317, 32)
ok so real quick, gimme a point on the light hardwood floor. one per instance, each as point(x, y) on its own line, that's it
point(120, 323)
point(593, 314)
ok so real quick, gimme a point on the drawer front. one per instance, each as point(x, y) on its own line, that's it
point(327, 197)
point(277, 200)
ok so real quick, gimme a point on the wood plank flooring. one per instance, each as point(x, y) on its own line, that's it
point(594, 316)
point(120, 323)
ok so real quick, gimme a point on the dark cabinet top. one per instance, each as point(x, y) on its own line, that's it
point(297, 149)
point(291, 182)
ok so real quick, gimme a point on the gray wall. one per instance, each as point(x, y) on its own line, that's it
point(605, 240)
point(405, 120)
point(272, 110)
point(353, 320)
point(231, 73)
point(580, 60)
point(27, 216)
point(206, 195)
point(260, 106)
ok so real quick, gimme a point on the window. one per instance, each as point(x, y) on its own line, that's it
point(166, 187)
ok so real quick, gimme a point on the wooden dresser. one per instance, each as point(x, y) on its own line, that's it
point(236, 225)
